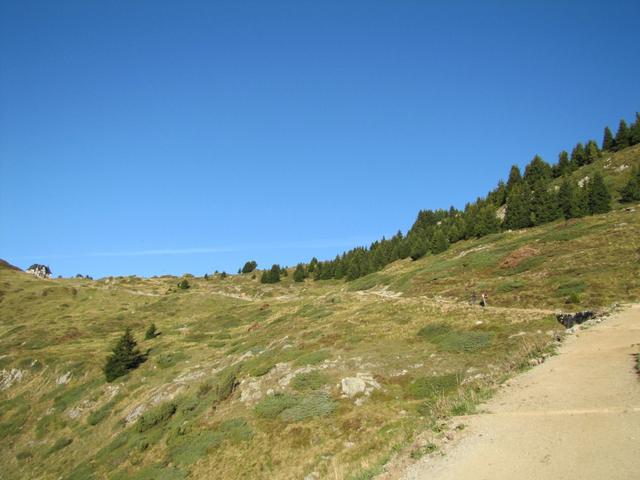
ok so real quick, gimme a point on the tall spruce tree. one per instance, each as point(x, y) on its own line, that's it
point(634, 131)
point(563, 166)
point(544, 204)
point(592, 152)
point(622, 136)
point(439, 241)
point(299, 273)
point(631, 191)
point(578, 156)
point(124, 357)
point(599, 195)
point(514, 178)
point(568, 199)
point(537, 170)
point(518, 214)
point(608, 143)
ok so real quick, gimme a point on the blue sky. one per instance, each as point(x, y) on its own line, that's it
point(169, 137)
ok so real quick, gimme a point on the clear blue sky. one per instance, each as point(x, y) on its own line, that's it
point(155, 137)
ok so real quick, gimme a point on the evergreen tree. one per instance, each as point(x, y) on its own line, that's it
point(299, 274)
point(249, 266)
point(592, 153)
point(564, 166)
point(151, 332)
point(312, 265)
point(514, 178)
point(537, 170)
point(582, 201)
point(599, 196)
point(124, 357)
point(418, 247)
point(271, 276)
point(439, 242)
point(568, 199)
point(544, 204)
point(634, 131)
point(518, 208)
point(578, 156)
point(622, 136)
point(608, 143)
point(487, 221)
point(631, 191)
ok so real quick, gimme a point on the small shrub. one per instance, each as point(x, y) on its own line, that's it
point(427, 387)
point(312, 358)
point(157, 416)
point(59, 445)
point(226, 383)
point(458, 341)
point(309, 381)
point(315, 405)
point(151, 332)
point(274, 405)
point(24, 455)
point(100, 414)
point(470, 341)
point(434, 330)
point(183, 284)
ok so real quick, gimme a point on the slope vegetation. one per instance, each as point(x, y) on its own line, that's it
point(285, 380)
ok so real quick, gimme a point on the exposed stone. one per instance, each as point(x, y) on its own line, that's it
point(63, 379)
point(352, 386)
point(9, 377)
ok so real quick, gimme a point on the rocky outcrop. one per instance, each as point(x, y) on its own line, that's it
point(568, 320)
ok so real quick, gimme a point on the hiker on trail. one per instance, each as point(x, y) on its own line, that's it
point(483, 302)
point(474, 299)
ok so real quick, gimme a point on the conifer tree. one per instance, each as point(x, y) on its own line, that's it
point(564, 166)
point(567, 199)
point(578, 156)
point(582, 201)
point(631, 191)
point(312, 265)
point(607, 141)
point(537, 170)
point(544, 204)
point(634, 131)
point(591, 152)
point(514, 178)
point(622, 136)
point(599, 196)
point(249, 266)
point(151, 332)
point(487, 221)
point(518, 208)
point(124, 357)
point(439, 242)
point(299, 274)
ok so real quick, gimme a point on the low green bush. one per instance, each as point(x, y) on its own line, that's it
point(314, 405)
point(426, 387)
point(309, 381)
point(157, 416)
point(274, 405)
point(59, 445)
point(312, 358)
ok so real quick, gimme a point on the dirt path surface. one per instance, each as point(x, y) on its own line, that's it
point(577, 416)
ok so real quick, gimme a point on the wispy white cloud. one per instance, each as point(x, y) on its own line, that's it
point(302, 244)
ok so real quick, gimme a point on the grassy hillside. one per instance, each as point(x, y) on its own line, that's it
point(245, 379)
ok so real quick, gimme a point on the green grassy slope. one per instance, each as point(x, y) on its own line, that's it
point(408, 332)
